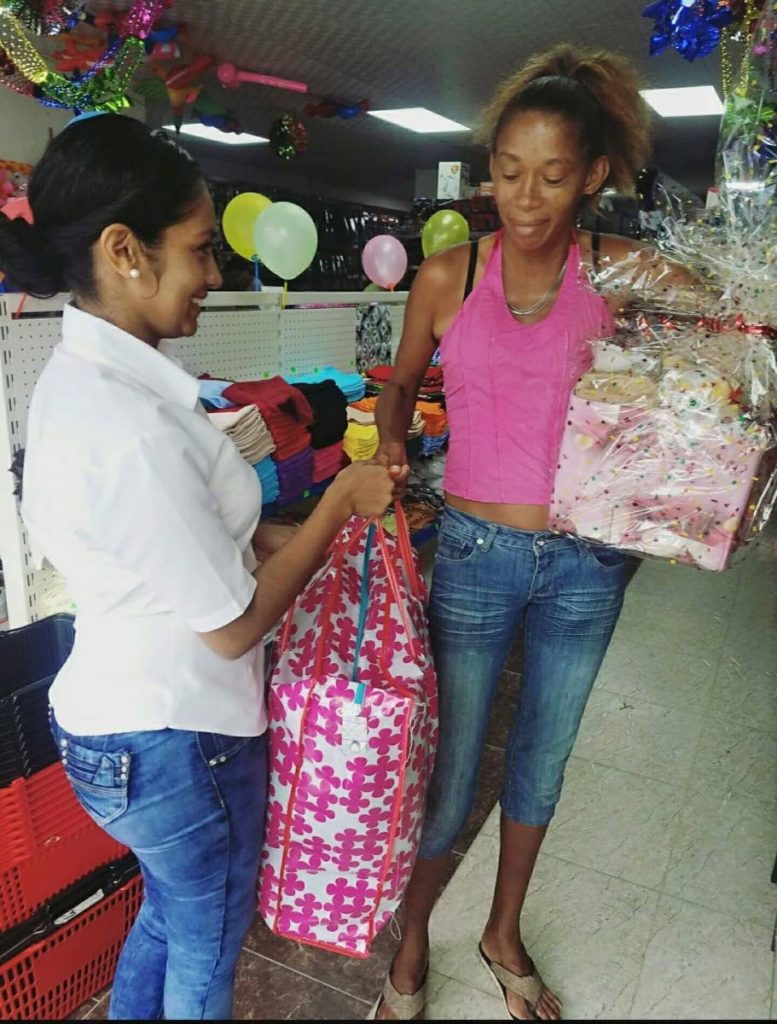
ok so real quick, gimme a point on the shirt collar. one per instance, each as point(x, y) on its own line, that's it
point(97, 340)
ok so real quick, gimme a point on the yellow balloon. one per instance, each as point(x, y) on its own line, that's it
point(239, 221)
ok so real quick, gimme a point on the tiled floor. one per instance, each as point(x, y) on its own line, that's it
point(652, 897)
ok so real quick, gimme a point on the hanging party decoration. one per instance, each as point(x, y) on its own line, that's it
point(694, 28)
point(187, 74)
point(46, 17)
point(17, 207)
point(285, 239)
point(239, 221)
point(78, 52)
point(747, 151)
point(288, 137)
point(384, 260)
point(329, 108)
point(443, 229)
point(232, 78)
point(101, 86)
point(142, 16)
point(181, 85)
point(161, 37)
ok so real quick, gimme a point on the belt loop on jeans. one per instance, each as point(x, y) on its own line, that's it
point(486, 537)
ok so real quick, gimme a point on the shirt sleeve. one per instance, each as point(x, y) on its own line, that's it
point(157, 517)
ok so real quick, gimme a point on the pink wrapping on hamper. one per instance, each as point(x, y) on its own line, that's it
point(350, 760)
point(630, 477)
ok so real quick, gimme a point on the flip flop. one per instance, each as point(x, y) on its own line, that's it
point(528, 986)
point(403, 1006)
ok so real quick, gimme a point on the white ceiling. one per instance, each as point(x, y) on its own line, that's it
point(443, 54)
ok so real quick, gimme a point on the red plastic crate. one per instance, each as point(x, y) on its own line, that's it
point(47, 842)
point(53, 977)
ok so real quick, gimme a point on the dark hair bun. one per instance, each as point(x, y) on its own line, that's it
point(26, 260)
point(104, 170)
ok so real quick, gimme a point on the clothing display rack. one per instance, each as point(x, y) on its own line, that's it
point(241, 335)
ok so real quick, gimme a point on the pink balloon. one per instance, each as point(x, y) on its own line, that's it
point(384, 260)
point(17, 207)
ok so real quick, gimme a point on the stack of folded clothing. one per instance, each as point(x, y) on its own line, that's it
point(212, 392)
point(247, 429)
point(295, 476)
point(361, 438)
point(351, 384)
point(327, 462)
point(430, 388)
point(435, 418)
point(417, 426)
point(364, 412)
point(267, 471)
point(361, 441)
point(430, 445)
point(285, 410)
point(435, 427)
point(329, 417)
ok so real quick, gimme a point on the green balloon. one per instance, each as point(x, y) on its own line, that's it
point(372, 287)
point(443, 229)
point(285, 239)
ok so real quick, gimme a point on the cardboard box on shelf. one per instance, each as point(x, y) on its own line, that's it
point(452, 179)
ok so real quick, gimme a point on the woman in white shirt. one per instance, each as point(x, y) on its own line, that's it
point(152, 516)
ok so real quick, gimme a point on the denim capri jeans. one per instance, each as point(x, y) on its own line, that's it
point(489, 580)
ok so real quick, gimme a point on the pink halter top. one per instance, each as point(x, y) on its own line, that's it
point(507, 385)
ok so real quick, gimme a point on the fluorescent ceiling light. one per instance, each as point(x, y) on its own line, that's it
point(419, 119)
point(211, 134)
point(692, 101)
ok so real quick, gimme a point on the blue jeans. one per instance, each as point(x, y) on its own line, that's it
point(191, 808)
point(488, 581)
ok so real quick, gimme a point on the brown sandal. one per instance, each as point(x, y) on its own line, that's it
point(403, 1006)
point(528, 986)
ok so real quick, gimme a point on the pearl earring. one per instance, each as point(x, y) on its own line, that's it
point(134, 273)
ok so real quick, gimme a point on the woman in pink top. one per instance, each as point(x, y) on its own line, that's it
point(513, 316)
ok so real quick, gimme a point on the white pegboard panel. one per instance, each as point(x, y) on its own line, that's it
point(241, 335)
point(26, 343)
point(238, 344)
point(31, 342)
point(314, 338)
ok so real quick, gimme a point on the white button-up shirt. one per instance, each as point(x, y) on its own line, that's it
point(148, 511)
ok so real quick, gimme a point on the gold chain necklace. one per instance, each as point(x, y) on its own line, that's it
point(543, 298)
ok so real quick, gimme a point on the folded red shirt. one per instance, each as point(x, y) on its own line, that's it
point(271, 395)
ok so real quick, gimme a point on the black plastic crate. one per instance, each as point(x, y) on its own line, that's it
point(30, 658)
point(67, 904)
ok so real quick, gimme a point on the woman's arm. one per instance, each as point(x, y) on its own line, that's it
point(428, 295)
point(628, 271)
point(362, 489)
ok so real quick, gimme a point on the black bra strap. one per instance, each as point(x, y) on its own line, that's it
point(596, 242)
point(473, 261)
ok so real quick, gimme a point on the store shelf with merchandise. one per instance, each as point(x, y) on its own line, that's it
point(242, 336)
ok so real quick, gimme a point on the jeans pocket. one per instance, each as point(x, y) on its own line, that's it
point(607, 557)
point(453, 546)
point(99, 778)
point(217, 749)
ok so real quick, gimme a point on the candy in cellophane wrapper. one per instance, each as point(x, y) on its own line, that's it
point(669, 445)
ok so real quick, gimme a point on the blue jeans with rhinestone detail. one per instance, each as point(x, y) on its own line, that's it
point(190, 806)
